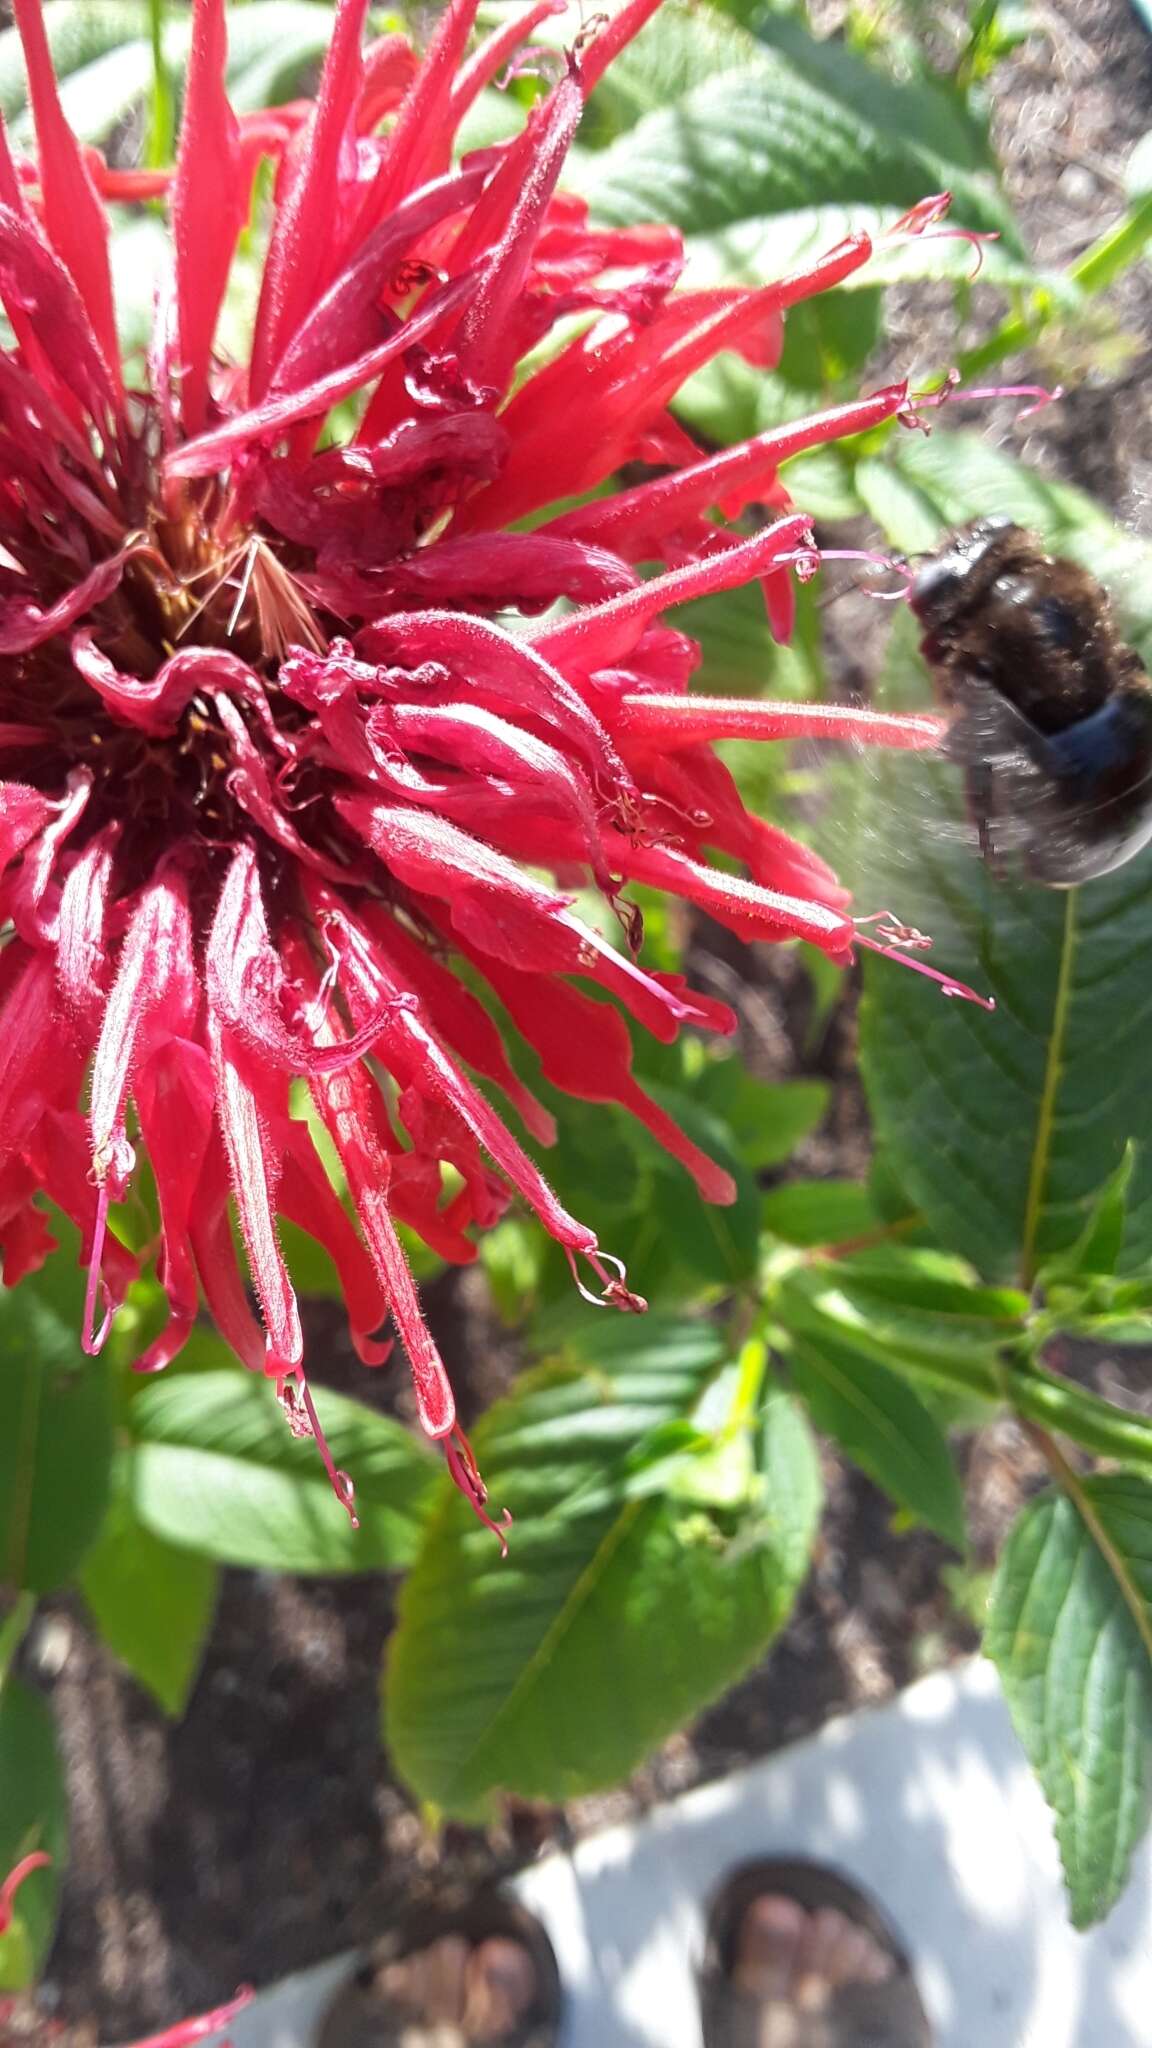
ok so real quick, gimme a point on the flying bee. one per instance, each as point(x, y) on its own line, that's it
point(1051, 713)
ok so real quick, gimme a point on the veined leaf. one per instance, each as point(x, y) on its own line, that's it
point(215, 1469)
point(1070, 1631)
point(630, 1596)
point(882, 1425)
point(763, 139)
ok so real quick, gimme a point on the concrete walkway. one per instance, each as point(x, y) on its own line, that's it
point(927, 1802)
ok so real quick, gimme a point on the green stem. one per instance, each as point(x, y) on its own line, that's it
point(750, 1379)
point(1099, 267)
point(1037, 1395)
point(162, 126)
point(1111, 255)
point(1054, 1403)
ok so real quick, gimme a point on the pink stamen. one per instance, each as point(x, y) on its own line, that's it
point(466, 1477)
point(1039, 393)
point(808, 561)
point(535, 60)
point(93, 1340)
point(951, 391)
point(616, 1292)
point(898, 939)
point(300, 1414)
point(919, 224)
point(38, 1860)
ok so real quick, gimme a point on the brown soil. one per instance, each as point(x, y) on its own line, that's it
point(265, 1831)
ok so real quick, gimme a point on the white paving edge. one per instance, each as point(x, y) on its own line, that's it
point(926, 1801)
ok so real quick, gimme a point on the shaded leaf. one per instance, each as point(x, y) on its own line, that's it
point(882, 1425)
point(56, 1445)
point(80, 33)
point(33, 1815)
point(682, 45)
point(715, 1242)
point(1070, 1631)
point(151, 1602)
point(1099, 1248)
point(819, 1212)
point(275, 48)
point(770, 1119)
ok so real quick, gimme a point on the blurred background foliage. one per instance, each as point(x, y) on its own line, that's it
point(665, 1473)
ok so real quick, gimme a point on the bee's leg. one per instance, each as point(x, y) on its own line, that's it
point(980, 792)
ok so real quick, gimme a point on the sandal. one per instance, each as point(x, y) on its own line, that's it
point(797, 1957)
point(483, 1976)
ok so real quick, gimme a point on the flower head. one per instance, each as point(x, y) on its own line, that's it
point(274, 763)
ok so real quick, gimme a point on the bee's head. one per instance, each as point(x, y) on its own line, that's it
point(947, 581)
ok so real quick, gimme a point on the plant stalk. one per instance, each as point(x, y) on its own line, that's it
point(162, 113)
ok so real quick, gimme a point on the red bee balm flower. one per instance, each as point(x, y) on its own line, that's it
point(271, 761)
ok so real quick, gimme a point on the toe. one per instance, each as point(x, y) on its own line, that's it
point(500, 1990)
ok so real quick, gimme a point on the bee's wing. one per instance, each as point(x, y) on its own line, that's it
point(988, 730)
point(1007, 773)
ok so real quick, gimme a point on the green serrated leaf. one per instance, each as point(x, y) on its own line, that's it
point(929, 1296)
point(881, 1424)
point(766, 137)
point(1070, 1632)
point(1003, 1128)
point(151, 1602)
point(619, 1612)
point(216, 1470)
point(789, 1461)
point(893, 1305)
point(772, 244)
point(33, 1816)
point(56, 1445)
point(907, 1312)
